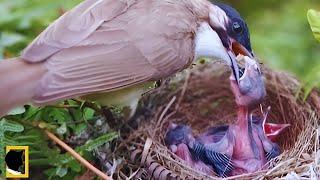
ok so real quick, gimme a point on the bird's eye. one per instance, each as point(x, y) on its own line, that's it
point(237, 28)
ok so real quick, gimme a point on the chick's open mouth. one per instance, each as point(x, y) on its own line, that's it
point(239, 52)
point(241, 72)
point(241, 65)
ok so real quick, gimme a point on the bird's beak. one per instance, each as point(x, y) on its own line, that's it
point(236, 49)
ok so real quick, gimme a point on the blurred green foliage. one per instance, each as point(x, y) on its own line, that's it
point(22, 20)
point(313, 78)
point(280, 34)
point(314, 20)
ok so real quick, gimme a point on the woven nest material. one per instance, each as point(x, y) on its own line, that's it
point(202, 98)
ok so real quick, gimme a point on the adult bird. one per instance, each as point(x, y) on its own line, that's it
point(112, 51)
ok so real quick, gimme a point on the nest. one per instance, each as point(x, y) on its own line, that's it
point(202, 98)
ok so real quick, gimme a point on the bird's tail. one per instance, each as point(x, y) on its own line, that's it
point(18, 81)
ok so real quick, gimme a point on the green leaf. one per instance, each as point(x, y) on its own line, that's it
point(314, 20)
point(62, 129)
point(17, 111)
point(77, 114)
point(74, 165)
point(60, 171)
point(10, 126)
point(312, 79)
point(58, 115)
point(31, 112)
point(80, 128)
point(72, 102)
point(51, 114)
point(50, 172)
point(88, 113)
point(4, 127)
point(62, 159)
point(25, 137)
point(93, 144)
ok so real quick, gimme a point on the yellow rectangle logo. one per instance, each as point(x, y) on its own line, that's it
point(17, 161)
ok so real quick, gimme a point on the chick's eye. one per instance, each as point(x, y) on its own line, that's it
point(237, 28)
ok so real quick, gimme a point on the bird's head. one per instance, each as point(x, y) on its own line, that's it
point(233, 33)
point(178, 134)
point(250, 89)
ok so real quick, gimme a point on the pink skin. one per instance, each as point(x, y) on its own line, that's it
point(248, 153)
point(244, 158)
point(251, 142)
point(251, 90)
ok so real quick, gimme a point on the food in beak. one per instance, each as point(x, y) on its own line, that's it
point(237, 49)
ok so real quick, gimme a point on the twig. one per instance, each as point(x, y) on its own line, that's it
point(145, 151)
point(316, 145)
point(77, 156)
point(133, 174)
point(184, 89)
point(287, 171)
point(280, 165)
point(164, 112)
point(279, 98)
point(243, 176)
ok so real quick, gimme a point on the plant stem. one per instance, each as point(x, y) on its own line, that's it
point(77, 156)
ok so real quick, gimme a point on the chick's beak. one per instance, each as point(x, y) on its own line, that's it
point(234, 65)
point(236, 49)
point(274, 130)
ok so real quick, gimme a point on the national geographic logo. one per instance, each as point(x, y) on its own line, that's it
point(17, 161)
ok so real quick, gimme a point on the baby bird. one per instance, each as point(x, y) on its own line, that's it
point(181, 141)
point(243, 147)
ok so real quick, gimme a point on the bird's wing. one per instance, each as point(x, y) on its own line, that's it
point(213, 134)
point(273, 153)
point(73, 27)
point(151, 40)
point(222, 163)
point(219, 154)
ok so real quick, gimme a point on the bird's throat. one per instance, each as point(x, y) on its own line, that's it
point(242, 120)
point(243, 141)
point(245, 133)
